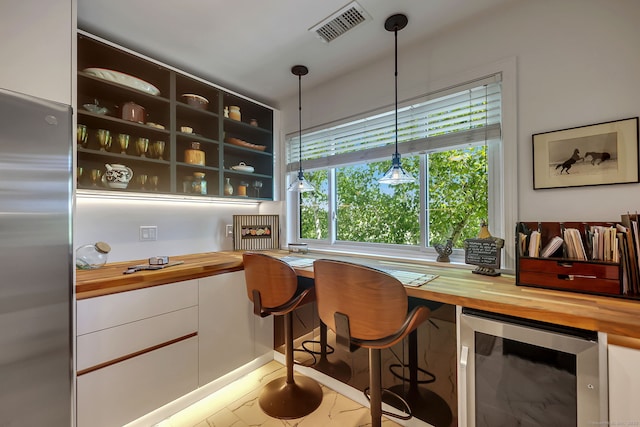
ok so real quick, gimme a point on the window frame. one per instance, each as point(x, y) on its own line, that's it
point(502, 171)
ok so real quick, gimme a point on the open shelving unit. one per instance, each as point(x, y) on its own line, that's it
point(166, 115)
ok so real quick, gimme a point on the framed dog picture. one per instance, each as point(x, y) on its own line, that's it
point(604, 153)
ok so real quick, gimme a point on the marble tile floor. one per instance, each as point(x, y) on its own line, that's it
point(236, 405)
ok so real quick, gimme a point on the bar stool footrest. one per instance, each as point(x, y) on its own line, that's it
point(386, 392)
point(329, 350)
point(395, 366)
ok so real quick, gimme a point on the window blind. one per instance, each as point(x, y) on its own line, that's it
point(452, 117)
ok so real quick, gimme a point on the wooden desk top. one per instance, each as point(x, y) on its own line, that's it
point(454, 286)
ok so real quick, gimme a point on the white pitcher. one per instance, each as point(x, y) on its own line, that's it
point(117, 176)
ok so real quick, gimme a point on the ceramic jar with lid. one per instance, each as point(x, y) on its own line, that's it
point(133, 112)
point(194, 155)
point(234, 112)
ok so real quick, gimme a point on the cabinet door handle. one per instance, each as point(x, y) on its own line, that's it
point(575, 276)
point(464, 355)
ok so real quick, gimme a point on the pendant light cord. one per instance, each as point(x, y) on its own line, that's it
point(396, 84)
point(300, 120)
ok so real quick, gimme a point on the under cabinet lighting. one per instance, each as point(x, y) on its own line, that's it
point(141, 197)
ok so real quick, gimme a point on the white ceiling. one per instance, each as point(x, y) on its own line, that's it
point(249, 46)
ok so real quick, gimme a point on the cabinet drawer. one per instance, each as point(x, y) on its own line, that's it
point(579, 276)
point(121, 341)
point(120, 393)
point(107, 311)
point(571, 267)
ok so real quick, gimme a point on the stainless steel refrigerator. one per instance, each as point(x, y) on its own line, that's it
point(36, 270)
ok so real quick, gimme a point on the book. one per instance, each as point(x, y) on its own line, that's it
point(534, 244)
point(551, 247)
point(634, 270)
point(575, 247)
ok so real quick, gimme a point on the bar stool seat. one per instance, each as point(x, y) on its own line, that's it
point(272, 286)
point(365, 308)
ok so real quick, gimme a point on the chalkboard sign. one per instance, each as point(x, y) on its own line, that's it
point(485, 253)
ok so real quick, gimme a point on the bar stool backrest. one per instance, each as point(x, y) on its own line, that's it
point(274, 279)
point(374, 302)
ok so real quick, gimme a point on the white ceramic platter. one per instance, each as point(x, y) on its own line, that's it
point(123, 79)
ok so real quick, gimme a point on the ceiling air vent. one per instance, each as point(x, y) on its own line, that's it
point(340, 22)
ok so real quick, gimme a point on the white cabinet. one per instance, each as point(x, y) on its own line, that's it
point(624, 384)
point(229, 334)
point(136, 351)
point(122, 392)
point(139, 350)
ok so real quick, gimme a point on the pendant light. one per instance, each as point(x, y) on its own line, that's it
point(300, 185)
point(396, 174)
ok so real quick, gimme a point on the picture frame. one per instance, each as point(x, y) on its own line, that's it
point(598, 154)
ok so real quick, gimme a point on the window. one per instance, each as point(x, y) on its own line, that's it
point(449, 141)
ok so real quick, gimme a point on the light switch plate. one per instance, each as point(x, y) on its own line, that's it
point(228, 230)
point(148, 233)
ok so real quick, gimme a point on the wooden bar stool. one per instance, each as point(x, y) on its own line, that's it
point(366, 308)
point(272, 286)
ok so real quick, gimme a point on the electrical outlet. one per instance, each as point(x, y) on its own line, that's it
point(148, 233)
point(228, 231)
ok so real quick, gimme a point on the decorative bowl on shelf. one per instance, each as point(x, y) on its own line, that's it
point(96, 108)
point(195, 100)
point(241, 143)
point(123, 79)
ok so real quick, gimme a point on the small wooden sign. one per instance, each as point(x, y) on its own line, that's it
point(485, 253)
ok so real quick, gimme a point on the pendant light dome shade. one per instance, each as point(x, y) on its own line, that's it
point(396, 174)
point(300, 185)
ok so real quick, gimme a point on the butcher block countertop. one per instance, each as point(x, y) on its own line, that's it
point(111, 279)
point(457, 286)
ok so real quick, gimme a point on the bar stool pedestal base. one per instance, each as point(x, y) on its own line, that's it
point(283, 400)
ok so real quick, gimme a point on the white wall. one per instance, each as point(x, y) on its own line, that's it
point(578, 63)
point(183, 227)
point(37, 42)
